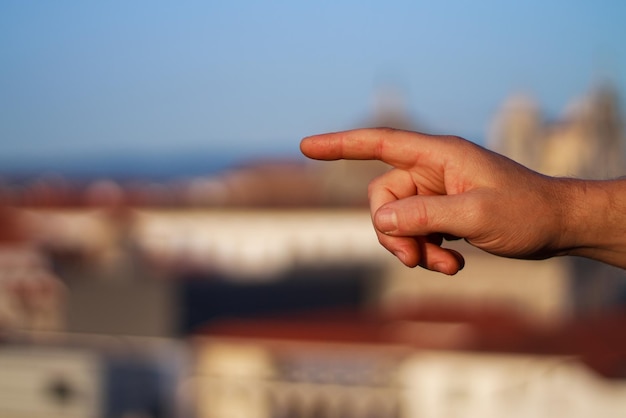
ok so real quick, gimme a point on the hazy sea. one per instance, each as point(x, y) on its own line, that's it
point(156, 167)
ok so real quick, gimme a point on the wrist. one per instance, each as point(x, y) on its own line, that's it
point(593, 215)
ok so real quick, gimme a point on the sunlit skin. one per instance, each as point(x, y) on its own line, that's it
point(445, 187)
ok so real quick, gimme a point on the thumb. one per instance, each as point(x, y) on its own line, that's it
point(423, 215)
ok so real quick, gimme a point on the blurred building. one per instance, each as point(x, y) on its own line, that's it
point(472, 365)
point(587, 141)
point(50, 375)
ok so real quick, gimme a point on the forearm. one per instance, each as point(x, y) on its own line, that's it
point(594, 219)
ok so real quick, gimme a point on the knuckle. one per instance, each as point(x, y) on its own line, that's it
point(419, 214)
point(373, 186)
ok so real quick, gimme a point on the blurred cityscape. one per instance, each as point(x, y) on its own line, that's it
point(261, 291)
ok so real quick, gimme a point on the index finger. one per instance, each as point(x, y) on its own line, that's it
point(396, 147)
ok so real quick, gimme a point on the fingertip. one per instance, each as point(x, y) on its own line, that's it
point(446, 268)
point(305, 144)
point(417, 251)
point(408, 259)
point(459, 257)
point(319, 147)
point(405, 249)
point(450, 264)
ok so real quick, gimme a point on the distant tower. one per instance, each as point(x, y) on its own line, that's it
point(517, 131)
point(589, 142)
point(391, 109)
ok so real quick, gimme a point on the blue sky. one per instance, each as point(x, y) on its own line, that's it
point(251, 78)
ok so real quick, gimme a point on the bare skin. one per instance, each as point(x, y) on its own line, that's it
point(446, 187)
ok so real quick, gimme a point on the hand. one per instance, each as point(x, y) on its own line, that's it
point(447, 187)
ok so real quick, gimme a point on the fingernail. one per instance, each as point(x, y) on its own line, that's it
point(386, 220)
point(441, 268)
